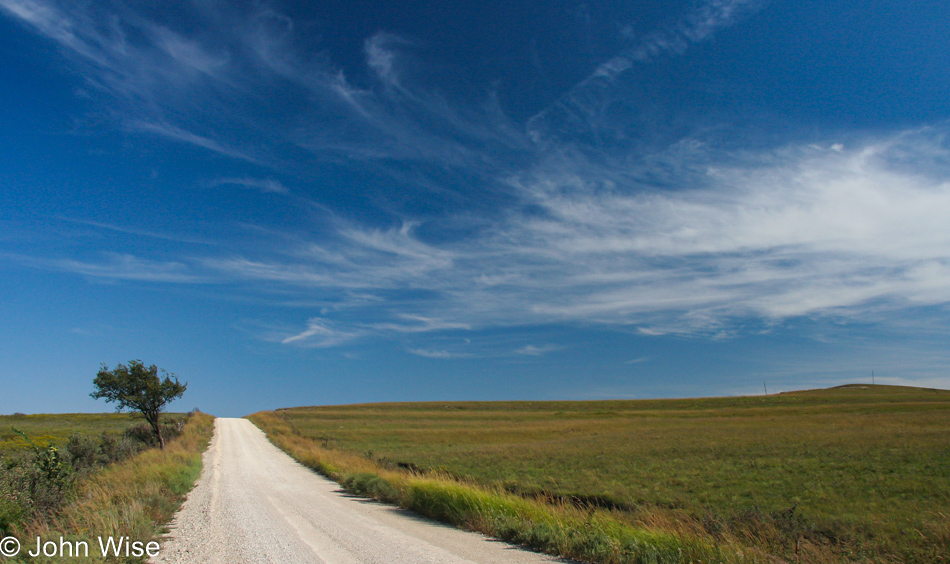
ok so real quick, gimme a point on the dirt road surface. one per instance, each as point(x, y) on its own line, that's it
point(253, 503)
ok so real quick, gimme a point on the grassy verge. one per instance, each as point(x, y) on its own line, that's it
point(547, 525)
point(851, 474)
point(131, 499)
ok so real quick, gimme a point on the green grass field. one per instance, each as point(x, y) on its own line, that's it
point(856, 473)
point(56, 428)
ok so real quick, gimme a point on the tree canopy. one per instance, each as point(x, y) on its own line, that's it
point(139, 388)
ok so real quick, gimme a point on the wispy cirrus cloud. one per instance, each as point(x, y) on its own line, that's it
point(536, 350)
point(126, 54)
point(138, 232)
point(798, 231)
point(119, 266)
point(211, 86)
point(320, 333)
point(697, 26)
point(585, 108)
point(183, 136)
point(212, 79)
point(435, 353)
point(419, 324)
point(266, 185)
point(357, 258)
point(685, 237)
point(801, 231)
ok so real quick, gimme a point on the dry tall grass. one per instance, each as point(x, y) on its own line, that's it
point(132, 499)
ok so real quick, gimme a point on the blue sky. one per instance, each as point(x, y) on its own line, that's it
point(336, 202)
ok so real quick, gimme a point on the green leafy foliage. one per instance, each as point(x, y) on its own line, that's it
point(139, 388)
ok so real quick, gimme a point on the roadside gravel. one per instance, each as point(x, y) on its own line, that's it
point(254, 504)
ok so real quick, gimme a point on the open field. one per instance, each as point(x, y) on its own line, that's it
point(857, 473)
point(56, 428)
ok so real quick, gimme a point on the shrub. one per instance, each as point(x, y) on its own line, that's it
point(13, 486)
point(51, 481)
point(370, 485)
point(113, 448)
point(83, 451)
point(144, 433)
point(34, 483)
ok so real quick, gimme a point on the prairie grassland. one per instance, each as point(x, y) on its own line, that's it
point(133, 498)
point(849, 474)
point(55, 429)
point(549, 526)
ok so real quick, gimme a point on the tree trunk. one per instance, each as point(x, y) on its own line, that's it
point(157, 428)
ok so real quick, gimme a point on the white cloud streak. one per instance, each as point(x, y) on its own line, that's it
point(120, 266)
point(585, 105)
point(433, 353)
point(320, 333)
point(266, 185)
point(698, 26)
point(181, 135)
point(138, 232)
point(418, 324)
point(536, 350)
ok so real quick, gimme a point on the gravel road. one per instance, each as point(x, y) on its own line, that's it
point(253, 503)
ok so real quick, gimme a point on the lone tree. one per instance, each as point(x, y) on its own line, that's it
point(138, 388)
